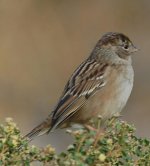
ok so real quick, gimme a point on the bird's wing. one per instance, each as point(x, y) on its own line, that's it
point(85, 81)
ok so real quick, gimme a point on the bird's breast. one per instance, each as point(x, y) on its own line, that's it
point(111, 99)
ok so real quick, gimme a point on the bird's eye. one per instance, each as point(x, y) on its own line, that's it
point(126, 46)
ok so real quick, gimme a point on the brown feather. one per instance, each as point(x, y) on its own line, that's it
point(74, 97)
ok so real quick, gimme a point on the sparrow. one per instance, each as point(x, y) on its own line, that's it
point(101, 85)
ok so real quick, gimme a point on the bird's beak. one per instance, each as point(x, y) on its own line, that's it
point(135, 49)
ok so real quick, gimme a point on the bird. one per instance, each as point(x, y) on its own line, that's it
point(100, 86)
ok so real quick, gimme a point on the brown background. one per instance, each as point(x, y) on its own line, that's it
point(42, 42)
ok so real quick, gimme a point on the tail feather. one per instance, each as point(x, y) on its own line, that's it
point(41, 129)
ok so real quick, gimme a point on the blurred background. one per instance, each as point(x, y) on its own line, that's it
point(42, 42)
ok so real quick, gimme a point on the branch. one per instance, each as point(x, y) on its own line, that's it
point(116, 145)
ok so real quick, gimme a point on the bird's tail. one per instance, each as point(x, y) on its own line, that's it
point(41, 129)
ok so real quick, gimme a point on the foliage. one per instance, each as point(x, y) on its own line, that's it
point(116, 145)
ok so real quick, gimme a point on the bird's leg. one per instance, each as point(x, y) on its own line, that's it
point(100, 131)
point(89, 127)
point(117, 115)
point(114, 117)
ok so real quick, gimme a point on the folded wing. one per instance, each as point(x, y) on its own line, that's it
point(86, 80)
